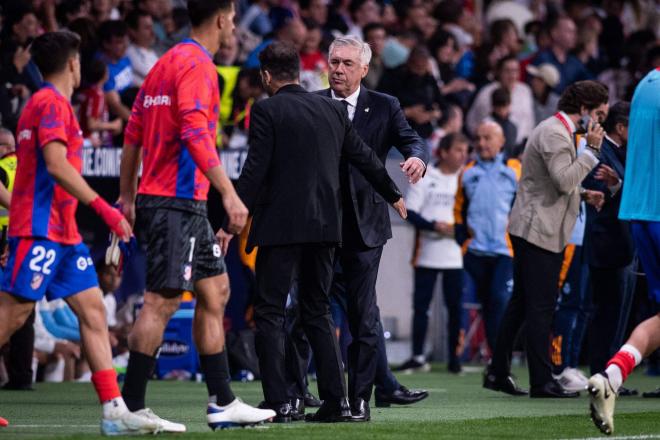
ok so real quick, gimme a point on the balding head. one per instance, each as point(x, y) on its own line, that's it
point(490, 140)
point(7, 142)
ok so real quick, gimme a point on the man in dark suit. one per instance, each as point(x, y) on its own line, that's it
point(381, 123)
point(290, 183)
point(609, 244)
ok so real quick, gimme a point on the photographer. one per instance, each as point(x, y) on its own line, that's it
point(542, 219)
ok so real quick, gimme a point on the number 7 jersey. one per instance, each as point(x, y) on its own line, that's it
point(39, 206)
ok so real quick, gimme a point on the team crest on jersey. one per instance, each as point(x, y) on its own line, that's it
point(37, 279)
point(187, 272)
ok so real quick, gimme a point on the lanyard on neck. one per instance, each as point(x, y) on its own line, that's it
point(564, 123)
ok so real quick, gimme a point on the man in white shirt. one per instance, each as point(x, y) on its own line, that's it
point(140, 52)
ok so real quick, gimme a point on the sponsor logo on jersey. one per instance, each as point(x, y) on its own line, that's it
point(187, 272)
point(156, 100)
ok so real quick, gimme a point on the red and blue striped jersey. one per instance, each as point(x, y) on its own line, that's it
point(39, 206)
point(174, 120)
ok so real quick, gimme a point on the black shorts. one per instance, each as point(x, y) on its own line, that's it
point(179, 242)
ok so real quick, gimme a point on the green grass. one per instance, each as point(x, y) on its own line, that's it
point(457, 408)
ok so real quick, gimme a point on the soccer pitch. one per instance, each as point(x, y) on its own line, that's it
point(457, 408)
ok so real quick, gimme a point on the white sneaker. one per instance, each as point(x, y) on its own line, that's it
point(572, 379)
point(236, 414)
point(603, 397)
point(128, 423)
point(164, 425)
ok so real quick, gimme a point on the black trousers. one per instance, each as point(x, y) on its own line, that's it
point(359, 272)
point(613, 290)
point(535, 288)
point(19, 362)
point(276, 268)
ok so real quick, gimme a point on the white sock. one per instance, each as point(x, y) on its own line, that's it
point(420, 358)
point(633, 351)
point(114, 408)
point(615, 376)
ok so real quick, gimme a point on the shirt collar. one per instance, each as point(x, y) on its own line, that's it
point(196, 43)
point(612, 140)
point(569, 121)
point(351, 99)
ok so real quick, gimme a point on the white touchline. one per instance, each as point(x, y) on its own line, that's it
point(52, 426)
point(623, 437)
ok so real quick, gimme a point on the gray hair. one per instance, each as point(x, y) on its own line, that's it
point(364, 50)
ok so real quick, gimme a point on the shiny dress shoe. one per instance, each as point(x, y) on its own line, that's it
point(311, 401)
point(360, 411)
point(652, 394)
point(10, 386)
point(297, 410)
point(626, 392)
point(552, 389)
point(331, 412)
point(505, 384)
point(401, 396)
point(283, 411)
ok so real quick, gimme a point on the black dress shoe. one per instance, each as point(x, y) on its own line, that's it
point(312, 401)
point(9, 386)
point(283, 411)
point(331, 412)
point(401, 396)
point(505, 384)
point(297, 410)
point(554, 390)
point(360, 411)
point(652, 394)
point(626, 392)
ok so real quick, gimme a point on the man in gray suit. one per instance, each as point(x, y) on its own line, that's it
point(543, 216)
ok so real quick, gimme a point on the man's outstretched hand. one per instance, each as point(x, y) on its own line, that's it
point(400, 207)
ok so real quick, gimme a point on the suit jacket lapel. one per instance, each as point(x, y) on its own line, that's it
point(362, 110)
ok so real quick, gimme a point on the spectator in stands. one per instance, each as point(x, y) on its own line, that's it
point(362, 12)
point(430, 206)
point(313, 63)
point(160, 10)
point(316, 10)
point(140, 51)
point(256, 19)
point(70, 10)
point(446, 53)
point(501, 103)
point(522, 102)
point(52, 352)
point(375, 35)
point(286, 28)
point(420, 99)
point(93, 113)
point(543, 79)
point(484, 198)
point(113, 36)
point(103, 10)
point(416, 18)
point(563, 40)
point(503, 41)
point(20, 27)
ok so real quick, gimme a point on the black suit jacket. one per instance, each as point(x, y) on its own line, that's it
point(609, 241)
point(381, 124)
point(290, 180)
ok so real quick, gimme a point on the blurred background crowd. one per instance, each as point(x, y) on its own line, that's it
point(450, 63)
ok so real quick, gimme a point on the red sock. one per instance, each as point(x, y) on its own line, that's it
point(105, 382)
point(625, 361)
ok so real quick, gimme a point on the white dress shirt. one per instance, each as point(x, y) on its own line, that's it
point(351, 100)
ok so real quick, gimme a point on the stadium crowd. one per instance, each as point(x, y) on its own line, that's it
point(474, 81)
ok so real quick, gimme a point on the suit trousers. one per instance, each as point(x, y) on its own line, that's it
point(360, 270)
point(535, 288)
point(276, 268)
point(613, 291)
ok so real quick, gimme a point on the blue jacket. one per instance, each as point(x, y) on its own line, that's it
point(483, 202)
point(608, 240)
